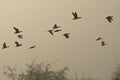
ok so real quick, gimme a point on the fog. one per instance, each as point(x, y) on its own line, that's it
point(81, 52)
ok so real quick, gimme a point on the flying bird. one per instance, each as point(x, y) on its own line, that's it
point(66, 35)
point(103, 43)
point(18, 44)
point(32, 47)
point(51, 32)
point(57, 30)
point(99, 38)
point(109, 18)
point(20, 36)
point(4, 46)
point(16, 30)
point(55, 26)
point(75, 15)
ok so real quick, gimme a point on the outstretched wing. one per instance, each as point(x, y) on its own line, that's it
point(76, 14)
point(58, 30)
point(32, 47)
point(50, 31)
point(16, 29)
point(73, 14)
point(16, 43)
point(4, 44)
point(109, 20)
point(99, 38)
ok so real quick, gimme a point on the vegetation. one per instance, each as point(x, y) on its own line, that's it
point(36, 71)
point(116, 73)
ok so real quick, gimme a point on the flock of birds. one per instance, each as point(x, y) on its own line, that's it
point(75, 15)
point(55, 29)
point(17, 44)
point(102, 42)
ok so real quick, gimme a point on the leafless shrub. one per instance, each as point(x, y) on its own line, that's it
point(36, 71)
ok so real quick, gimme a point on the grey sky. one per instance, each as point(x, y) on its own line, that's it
point(80, 52)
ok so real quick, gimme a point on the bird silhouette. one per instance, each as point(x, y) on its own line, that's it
point(99, 38)
point(57, 30)
point(66, 35)
point(51, 32)
point(16, 30)
point(18, 44)
point(55, 26)
point(109, 18)
point(4, 46)
point(75, 16)
point(103, 43)
point(32, 47)
point(20, 36)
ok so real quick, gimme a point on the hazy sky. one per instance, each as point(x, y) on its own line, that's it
point(80, 52)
